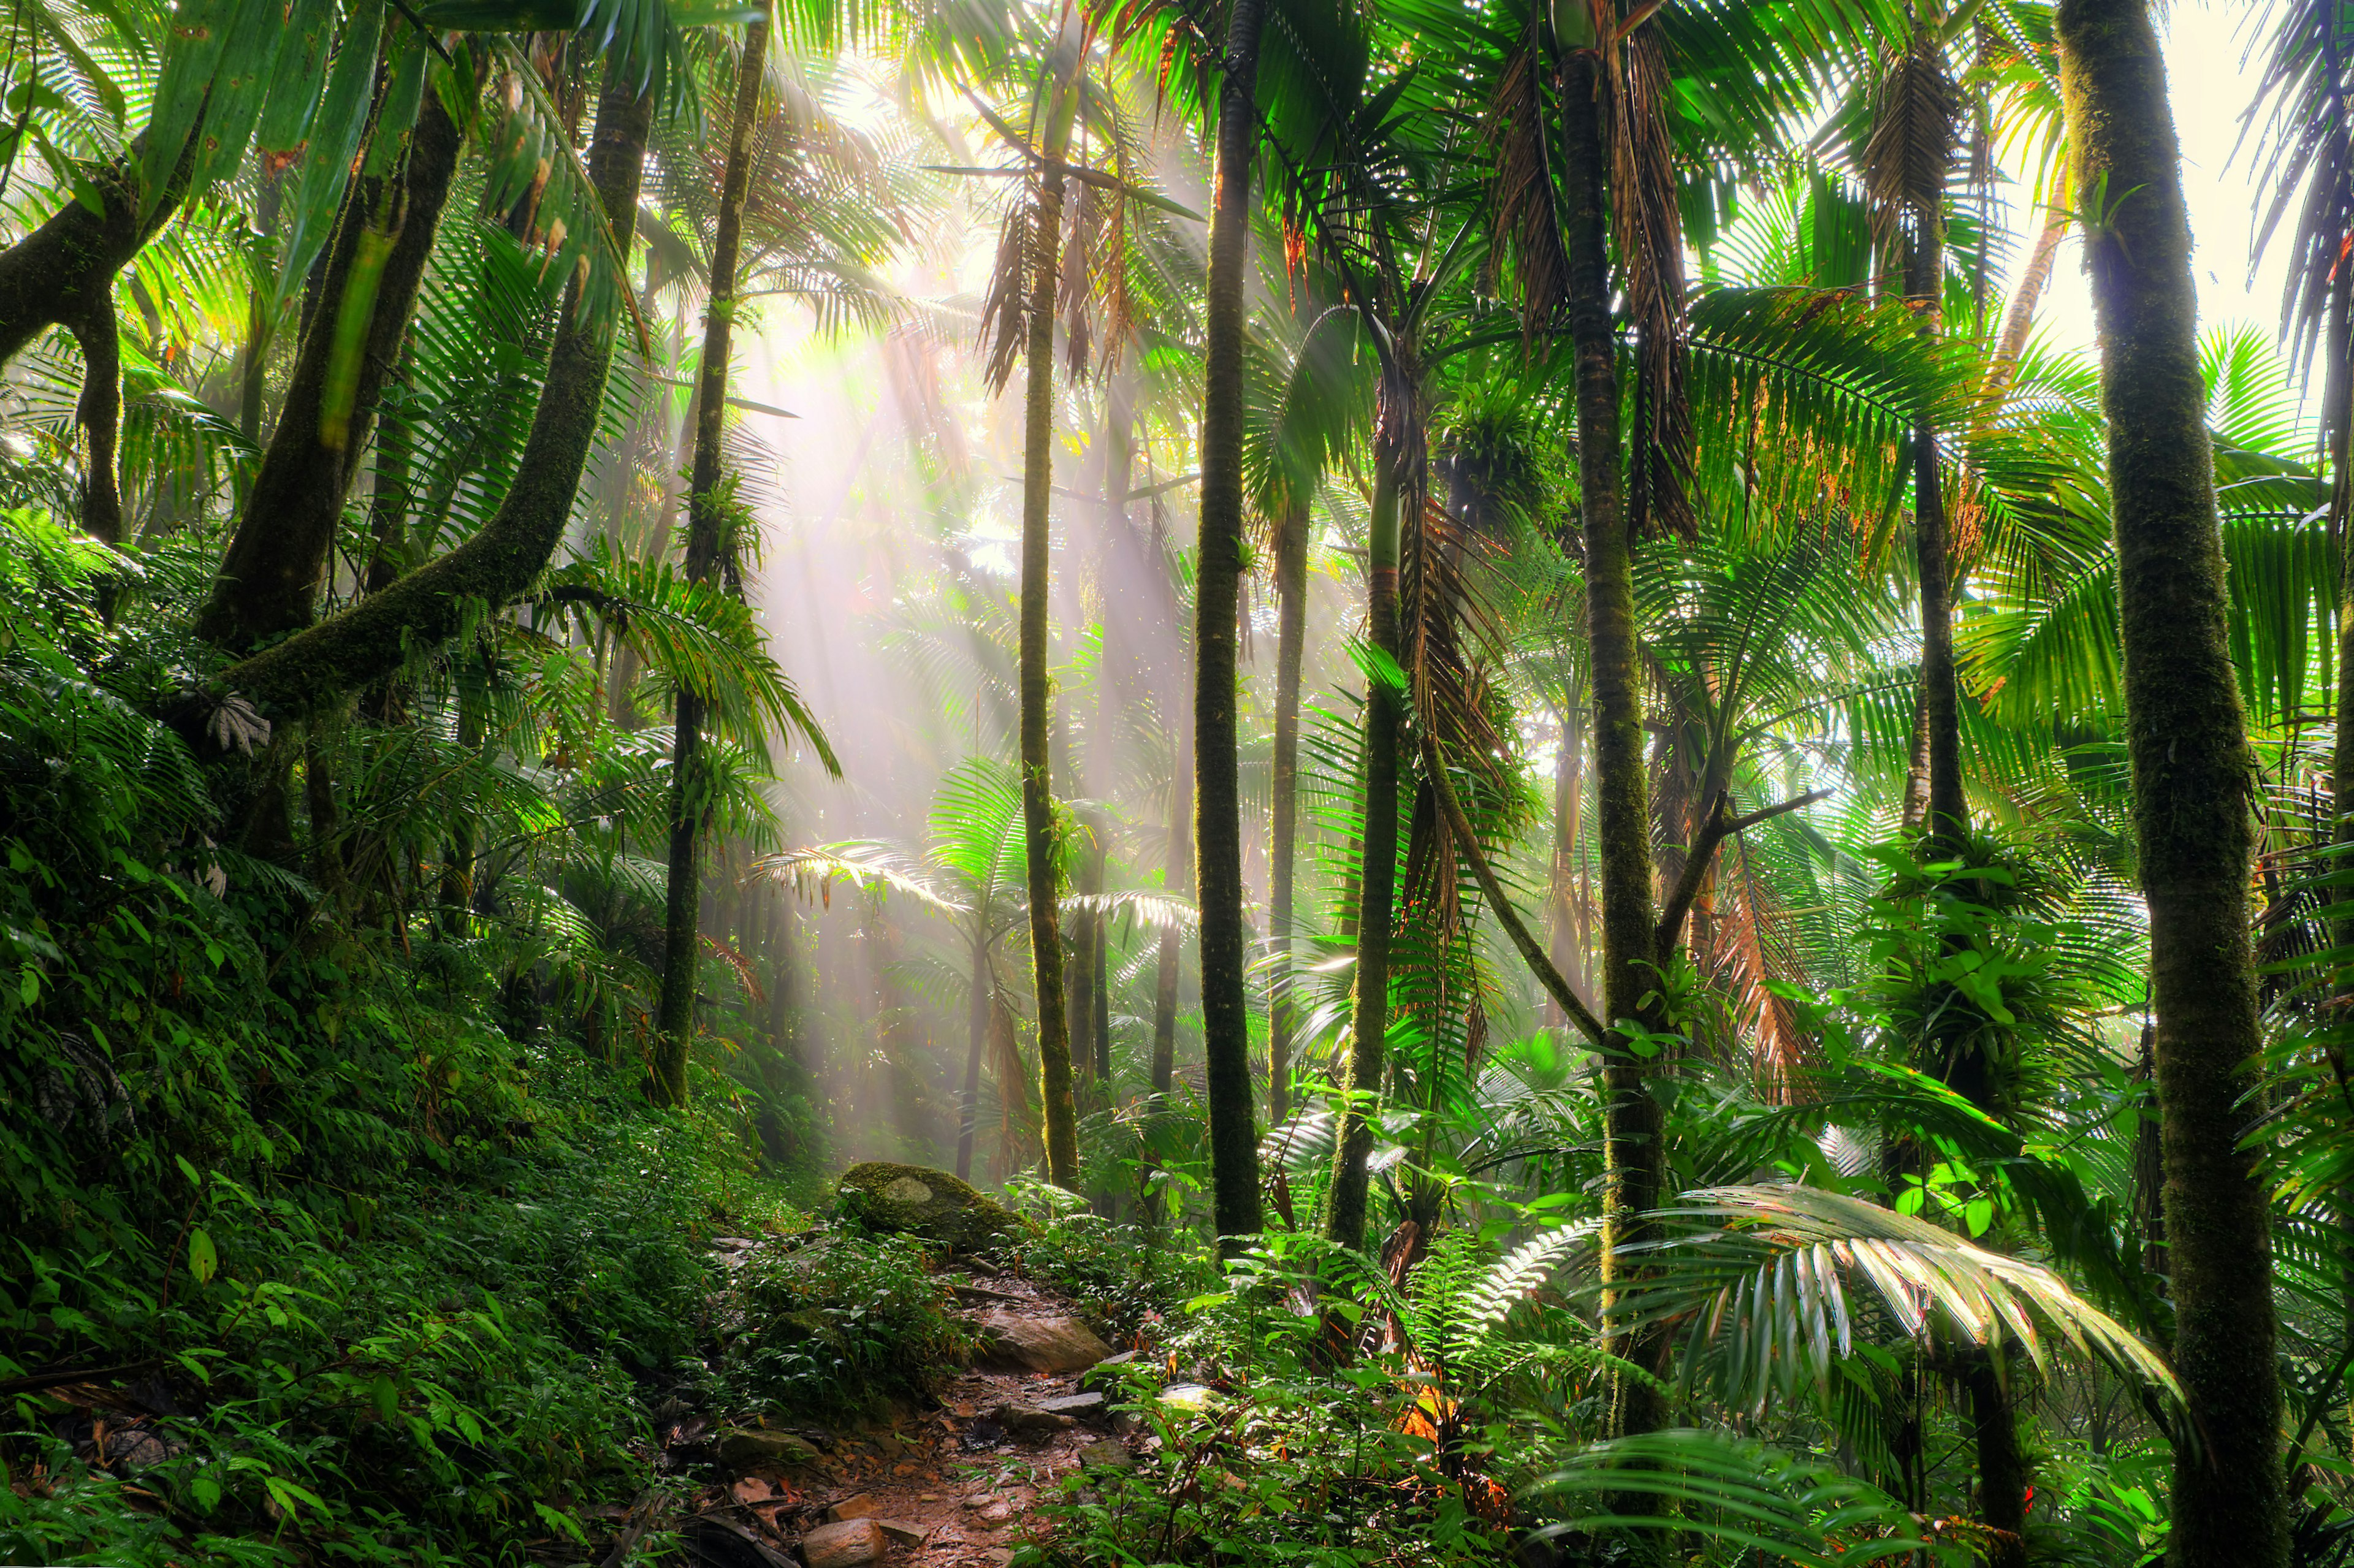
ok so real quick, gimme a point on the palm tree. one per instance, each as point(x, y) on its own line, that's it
point(2188, 742)
point(1217, 805)
point(708, 501)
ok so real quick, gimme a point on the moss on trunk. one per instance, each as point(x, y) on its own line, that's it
point(1290, 646)
point(705, 509)
point(2188, 745)
point(374, 637)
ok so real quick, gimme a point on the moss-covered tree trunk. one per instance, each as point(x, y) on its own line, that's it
point(1632, 1127)
point(1290, 650)
point(1369, 1008)
point(97, 419)
point(62, 270)
point(1037, 695)
point(1568, 933)
point(2188, 745)
point(269, 580)
point(706, 507)
point(1217, 794)
point(374, 637)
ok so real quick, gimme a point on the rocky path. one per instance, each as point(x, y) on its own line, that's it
point(952, 1487)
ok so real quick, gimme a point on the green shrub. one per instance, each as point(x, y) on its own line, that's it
point(836, 1319)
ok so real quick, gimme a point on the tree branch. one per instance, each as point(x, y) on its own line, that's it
point(1718, 828)
point(1539, 963)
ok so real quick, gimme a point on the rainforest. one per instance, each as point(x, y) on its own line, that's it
point(1100, 783)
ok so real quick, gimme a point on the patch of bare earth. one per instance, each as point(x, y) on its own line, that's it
point(951, 1488)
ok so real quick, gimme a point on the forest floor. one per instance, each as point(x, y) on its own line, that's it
point(953, 1487)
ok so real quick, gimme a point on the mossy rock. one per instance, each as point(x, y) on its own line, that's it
point(914, 1200)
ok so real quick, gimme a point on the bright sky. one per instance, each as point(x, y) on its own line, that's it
point(2212, 84)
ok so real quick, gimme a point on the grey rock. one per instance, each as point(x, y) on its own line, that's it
point(1080, 1405)
point(1040, 1344)
point(1032, 1422)
point(1107, 1453)
point(905, 1533)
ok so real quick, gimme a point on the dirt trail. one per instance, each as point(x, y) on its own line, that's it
point(951, 1488)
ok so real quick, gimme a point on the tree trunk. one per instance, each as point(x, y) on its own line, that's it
point(61, 270)
point(1217, 795)
point(1037, 555)
point(976, 1043)
point(1291, 647)
point(708, 503)
point(1569, 935)
point(98, 417)
point(1180, 875)
point(1377, 875)
point(2188, 745)
point(270, 579)
point(1631, 1149)
point(1947, 819)
point(376, 636)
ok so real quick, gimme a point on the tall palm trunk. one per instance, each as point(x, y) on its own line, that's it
point(689, 803)
point(1037, 789)
point(1169, 970)
point(2188, 744)
point(1631, 1149)
point(1569, 934)
point(976, 1043)
point(1290, 646)
point(1217, 798)
point(1377, 873)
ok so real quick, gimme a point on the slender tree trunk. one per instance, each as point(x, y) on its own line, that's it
point(381, 633)
point(1038, 556)
point(98, 418)
point(253, 366)
point(976, 1044)
point(708, 503)
point(1291, 647)
point(1632, 1154)
point(270, 579)
point(2188, 744)
point(1568, 808)
point(1217, 797)
point(1947, 816)
point(2019, 318)
point(1180, 881)
point(1377, 876)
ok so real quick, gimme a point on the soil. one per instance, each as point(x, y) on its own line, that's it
point(962, 1484)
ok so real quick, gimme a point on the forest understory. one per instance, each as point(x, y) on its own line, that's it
point(1170, 782)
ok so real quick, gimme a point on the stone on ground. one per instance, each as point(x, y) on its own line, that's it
point(1107, 1453)
point(860, 1506)
point(905, 1533)
point(1074, 1404)
point(915, 1200)
point(745, 1446)
point(850, 1544)
point(1040, 1344)
point(1029, 1420)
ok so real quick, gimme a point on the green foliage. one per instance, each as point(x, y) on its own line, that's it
point(836, 1319)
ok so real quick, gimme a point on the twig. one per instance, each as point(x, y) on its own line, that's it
point(1509, 918)
point(1718, 828)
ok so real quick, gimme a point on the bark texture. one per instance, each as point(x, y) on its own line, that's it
point(98, 420)
point(1369, 1009)
point(705, 526)
point(374, 637)
point(65, 268)
point(1037, 695)
point(2188, 744)
point(1217, 794)
point(1283, 842)
point(1622, 809)
point(270, 579)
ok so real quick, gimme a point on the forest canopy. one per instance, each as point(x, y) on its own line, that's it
point(1435, 743)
